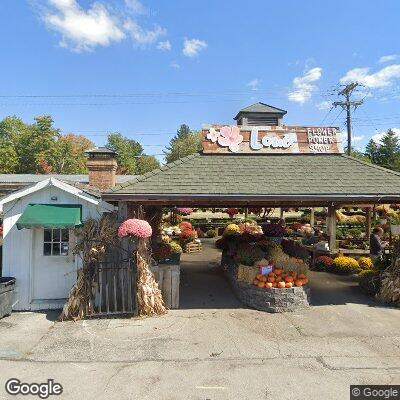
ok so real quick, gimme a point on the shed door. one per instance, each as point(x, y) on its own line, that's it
point(54, 270)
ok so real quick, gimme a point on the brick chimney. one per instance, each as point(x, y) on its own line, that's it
point(102, 166)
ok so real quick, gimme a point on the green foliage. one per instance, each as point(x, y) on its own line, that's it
point(147, 164)
point(127, 149)
point(184, 143)
point(369, 281)
point(387, 152)
point(248, 254)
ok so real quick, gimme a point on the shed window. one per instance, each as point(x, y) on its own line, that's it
point(56, 242)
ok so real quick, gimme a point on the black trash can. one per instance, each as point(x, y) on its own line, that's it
point(7, 285)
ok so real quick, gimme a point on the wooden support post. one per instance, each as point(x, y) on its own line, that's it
point(331, 225)
point(368, 223)
point(281, 209)
point(246, 213)
point(122, 211)
point(312, 217)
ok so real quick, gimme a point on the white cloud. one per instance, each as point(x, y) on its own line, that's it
point(324, 105)
point(135, 6)
point(83, 30)
point(380, 79)
point(391, 57)
point(357, 138)
point(304, 86)
point(141, 36)
point(192, 47)
point(377, 138)
point(254, 84)
point(175, 65)
point(165, 46)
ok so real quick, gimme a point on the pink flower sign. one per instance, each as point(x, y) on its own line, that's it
point(228, 136)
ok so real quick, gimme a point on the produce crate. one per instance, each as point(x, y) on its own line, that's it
point(193, 247)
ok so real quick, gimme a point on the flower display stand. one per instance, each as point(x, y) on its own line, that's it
point(193, 247)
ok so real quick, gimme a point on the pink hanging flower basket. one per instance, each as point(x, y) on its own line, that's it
point(136, 228)
point(185, 210)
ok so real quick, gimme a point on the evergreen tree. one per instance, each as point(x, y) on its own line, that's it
point(184, 143)
point(371, 151)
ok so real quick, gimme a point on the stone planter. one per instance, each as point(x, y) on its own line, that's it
point(273, 300)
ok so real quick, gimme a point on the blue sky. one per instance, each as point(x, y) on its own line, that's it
point(163, 63)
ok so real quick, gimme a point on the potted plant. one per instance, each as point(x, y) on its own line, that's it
point(395, 224)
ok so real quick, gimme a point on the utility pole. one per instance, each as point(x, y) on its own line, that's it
point(347, 105)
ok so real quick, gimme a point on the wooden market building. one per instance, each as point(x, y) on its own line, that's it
point(262, 162)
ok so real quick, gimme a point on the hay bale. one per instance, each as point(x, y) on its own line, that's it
point(247, 273)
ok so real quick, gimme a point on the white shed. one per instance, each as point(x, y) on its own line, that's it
point(38, 238)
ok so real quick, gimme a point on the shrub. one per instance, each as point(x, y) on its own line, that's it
point(345, 265)
point(248, 254)
point(365, 263)
point(274, 230)
point(323, 263)
point(162, 251)
point(185, 225)
point(369, 281)
point(175, 248)
point(211, 233)
point(231, 230)
point(187, 235)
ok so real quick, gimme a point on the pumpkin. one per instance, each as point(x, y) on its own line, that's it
point(255, 282)
point(298, 282)
point(302, 276)
point(278, 271)
point(305, 281)
point(274, 284)
point(268, 285)
point(260, 284)
point(263, 279)
point(271, 279)
point(288, 279)
point(281, 285)
point(272, 275)
point(288, 285)
point(259, 276)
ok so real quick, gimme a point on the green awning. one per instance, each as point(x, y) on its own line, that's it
point(50, 216)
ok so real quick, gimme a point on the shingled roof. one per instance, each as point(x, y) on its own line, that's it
point(261, 108)
point(251, 178)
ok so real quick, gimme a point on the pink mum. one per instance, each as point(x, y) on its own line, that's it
point(185, 210)
point(135, 227)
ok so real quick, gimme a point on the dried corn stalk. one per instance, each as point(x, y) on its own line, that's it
point(94, 239)
point(149, 296)
point(390, 285)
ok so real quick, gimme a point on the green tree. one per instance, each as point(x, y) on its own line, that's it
point(147, 164)
point(184, 143)
point(36, 145)
point(128, 151)
point(10, 129)
point(371, 151)
point(388, 155)
point(69, 156)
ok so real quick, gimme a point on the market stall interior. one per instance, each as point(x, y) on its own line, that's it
point(260, 165)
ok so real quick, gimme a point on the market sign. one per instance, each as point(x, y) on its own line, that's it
point(271, 139)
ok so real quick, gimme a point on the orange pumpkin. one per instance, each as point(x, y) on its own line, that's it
point(259, 276)
point(298, 282)
point(305, 281)
point(255, 282)
point(268, 285)
point(288, 285)
point(263, 279)
point(274, 284)
point(281, 285)
point(278, 271)
point(260, 284)
point(271, 279)
point(302, 276)
point(288, 279)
